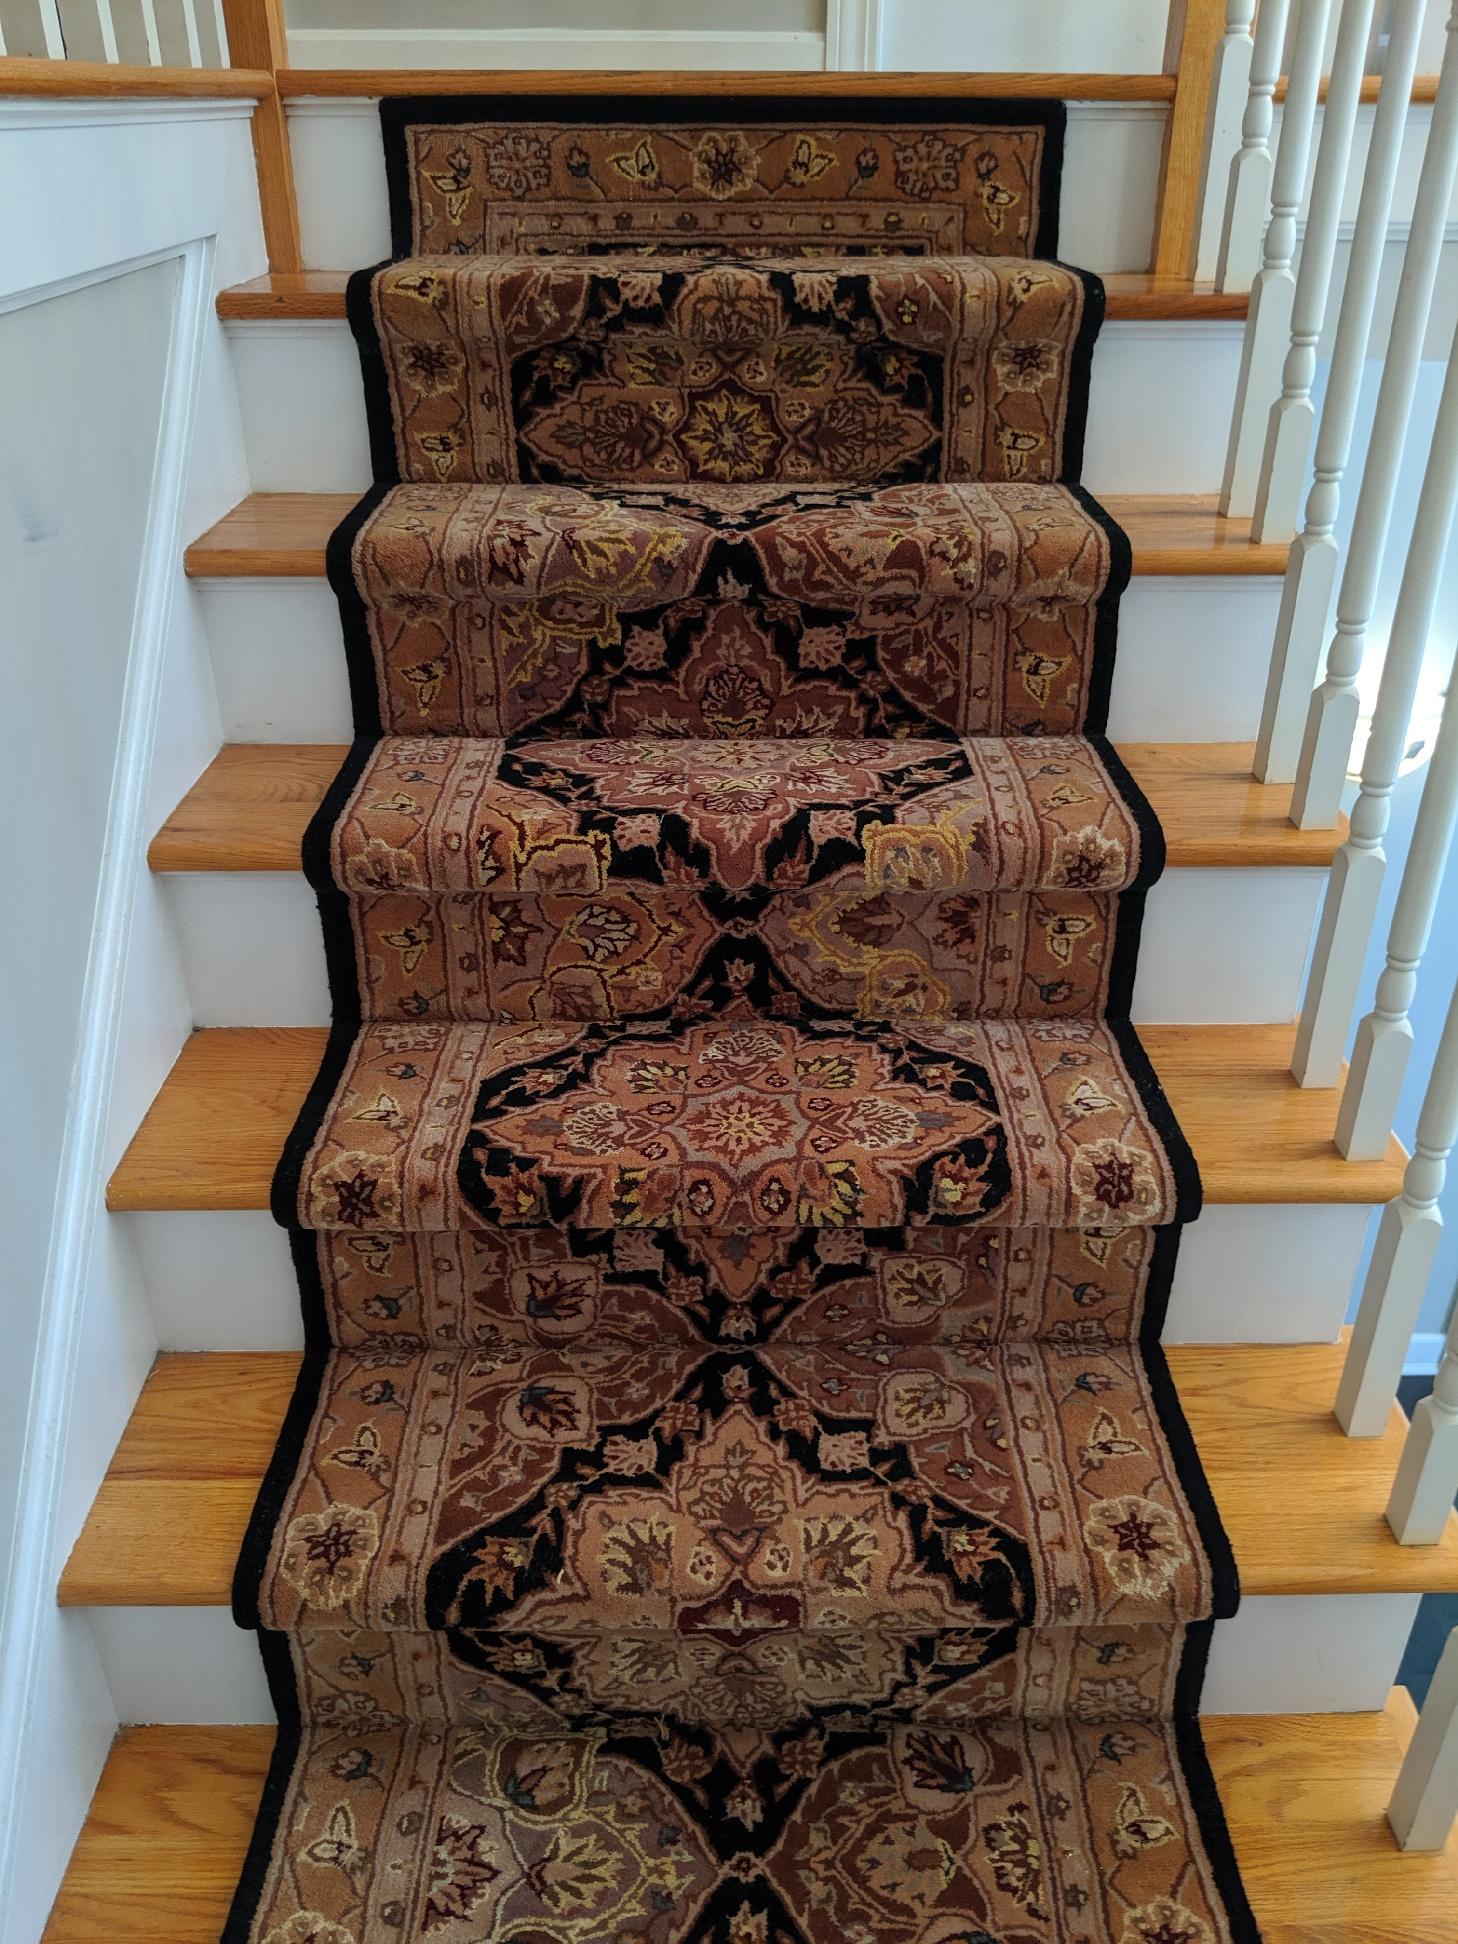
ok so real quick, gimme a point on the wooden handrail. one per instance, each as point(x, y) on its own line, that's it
point(21, 75)
point(373, 83)
point(1424, 88)
point(256, 37)
point(1192, 38)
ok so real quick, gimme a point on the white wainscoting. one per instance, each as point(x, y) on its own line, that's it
point(108, 647)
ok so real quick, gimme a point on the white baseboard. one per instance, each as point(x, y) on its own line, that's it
point(550, 47)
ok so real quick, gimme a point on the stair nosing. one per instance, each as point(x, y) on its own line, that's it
point(1259, 1139)
point(1232, 558)
point(1329, 1775)
point(1273, 1562)
point(215, 829)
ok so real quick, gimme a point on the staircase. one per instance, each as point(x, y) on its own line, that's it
point(1302, 1729)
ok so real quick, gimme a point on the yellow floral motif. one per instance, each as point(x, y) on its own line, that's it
point(308, 1927)
point(326, 1554)
point(918, 857)
point(730, 438)
point(1165, 1922)
point(639, 165)
point(724, 164)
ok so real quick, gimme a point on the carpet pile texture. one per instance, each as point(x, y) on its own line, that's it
point(734, 1493)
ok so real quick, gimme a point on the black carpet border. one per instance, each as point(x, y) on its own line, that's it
point(1128, 922)
point(1170, 1414)
point(1204, 1795)
point(1189, 1194)
point(359, 308)
point(1080, 374)
point(1106, 609)
point(364, 684)
point(398, 114)
point(283, 1689)
point(288, 1451)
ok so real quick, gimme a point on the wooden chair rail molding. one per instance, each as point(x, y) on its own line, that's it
point(376, 82)
point(20, 75)
point(1132, 295)
point(1424, 89)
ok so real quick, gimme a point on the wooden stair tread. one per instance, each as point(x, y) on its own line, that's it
point(249, 809)
point(1132, 295)
point(169, 1518)
point(212, 1137)
point(283, 535)
point(372, 83)
point(1305, 1796)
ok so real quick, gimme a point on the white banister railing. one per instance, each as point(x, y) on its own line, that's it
point(1402, 1258)
point(1268, 323)
point(1229, 92)
point(1248, 200)
point(1332, 719)
point(1424, 1804)
point(139, 33)
point(1384, 1037)
point(1311, 568)
point(1427, 1478)
point(1292, 417)
point(106, 27)
point(1350, 905)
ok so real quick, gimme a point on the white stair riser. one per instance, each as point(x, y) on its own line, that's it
point(1191, 667)
point(1329, 1654)
point(223, 1280)
point(304, 421)
point(339, 174)
point(253, 955)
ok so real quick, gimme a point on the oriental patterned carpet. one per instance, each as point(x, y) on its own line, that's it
point(734, 1493)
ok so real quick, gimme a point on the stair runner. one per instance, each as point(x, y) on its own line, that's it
point(734, 1492)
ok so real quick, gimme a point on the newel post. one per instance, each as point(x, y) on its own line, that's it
point(1191, 41)
point(257, 39)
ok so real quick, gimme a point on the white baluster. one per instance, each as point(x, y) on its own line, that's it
point(1350, 904)
point(1292, 417)
point(107, 27)
point(1402, 1259)
point(194, 42)
point(1229, 90)
point(153, 38)
point(1427, 1478)
point(1331, 720)
point(1311, 569)
point(1248, 201)
point(1268, 324)
point(1384, 1038)
point(1425, 1801)
point(53, 35)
